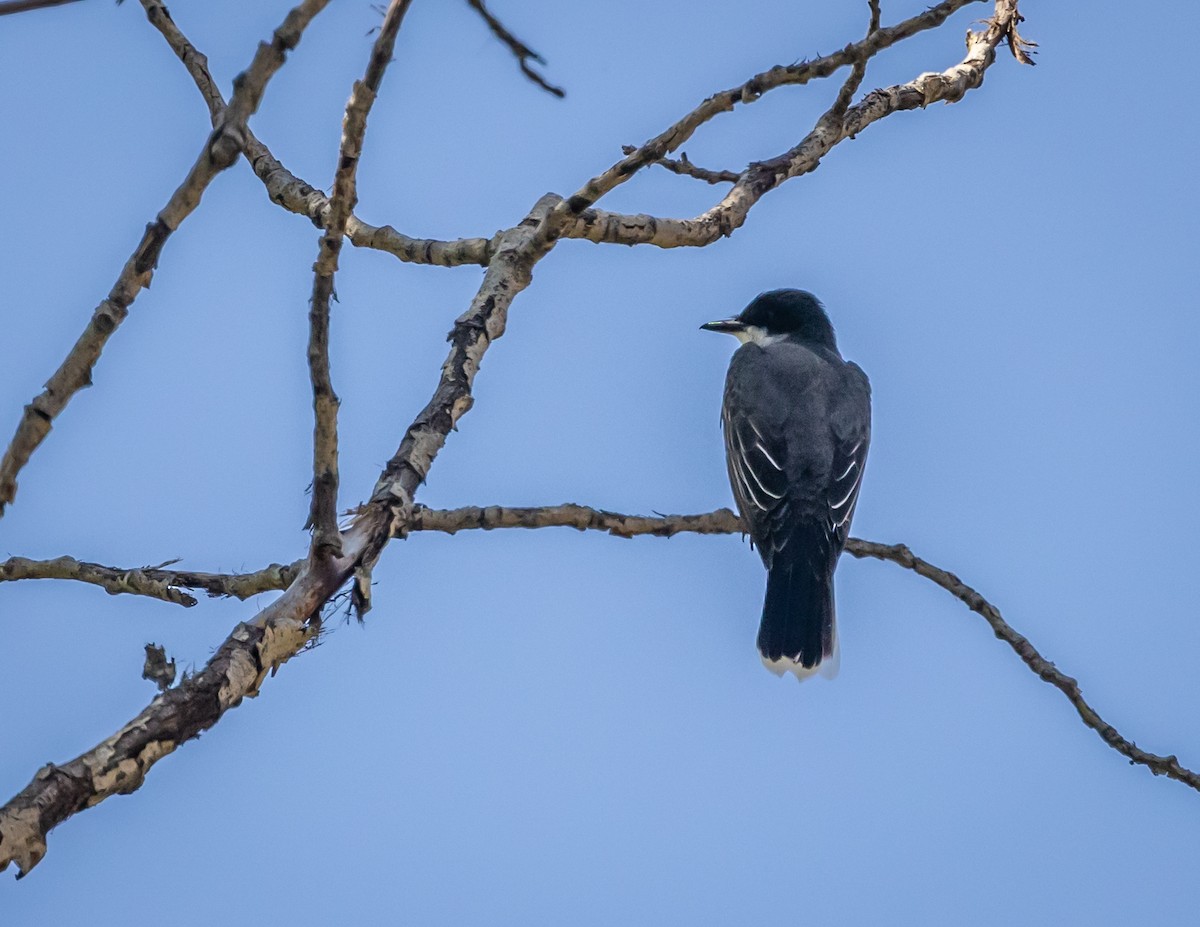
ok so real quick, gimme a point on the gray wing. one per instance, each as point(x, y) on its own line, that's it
point(760, 451)
point(757, 460)
point(850, 419)
point(797, 430)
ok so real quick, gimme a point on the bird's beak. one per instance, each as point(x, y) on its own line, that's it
point(728, 326)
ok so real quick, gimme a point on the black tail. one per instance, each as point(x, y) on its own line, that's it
point(797, 618)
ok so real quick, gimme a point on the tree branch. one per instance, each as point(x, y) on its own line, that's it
point(322, 516)
point(220, 151)
point(723, 521)
point(523, 53)
point(571, 209)
point(156, 582)
point(112, 580)
point(899, 554)
point(685, 168)
point(760, 178)
point(299, 197)
point(569, 515)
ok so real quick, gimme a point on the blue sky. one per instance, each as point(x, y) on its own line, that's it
point(551, 727)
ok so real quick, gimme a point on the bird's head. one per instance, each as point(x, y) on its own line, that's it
point(779, 314)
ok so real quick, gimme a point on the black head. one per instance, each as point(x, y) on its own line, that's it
point(796, 313)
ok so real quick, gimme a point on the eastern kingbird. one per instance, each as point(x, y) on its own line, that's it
point(797, 422)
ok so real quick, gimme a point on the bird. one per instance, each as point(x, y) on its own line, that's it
point(797, 423)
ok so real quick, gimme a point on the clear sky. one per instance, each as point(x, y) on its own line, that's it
point(557, 728)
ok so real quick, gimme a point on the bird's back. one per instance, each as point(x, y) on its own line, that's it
point(797, 427)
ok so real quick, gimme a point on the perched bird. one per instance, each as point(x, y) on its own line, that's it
point(797, 422)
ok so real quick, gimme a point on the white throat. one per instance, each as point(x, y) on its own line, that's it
point(754, 334)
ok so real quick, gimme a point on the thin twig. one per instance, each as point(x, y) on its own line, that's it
point(193, 60)
point(220, 151)
point(837, 112)
point(686, 168)
point(899, 554)
point(524, 54)
point(322, 517)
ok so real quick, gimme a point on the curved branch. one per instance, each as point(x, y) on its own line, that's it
point(723, 521)
point(779, 76)
point(899, 554)
point(837, 125)
point(220, 151)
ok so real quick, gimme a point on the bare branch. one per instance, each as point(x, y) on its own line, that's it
point(275, 577)
point(22, 6)
point(760, 178)
point(322, 516)
point(686, 168)
point(857, 73)
point(1168, 766)
point(119, 764)
point(195, 62)
point(220, 151)
point(723, 521)
point(780, 76)
point(524, 54)
point(509, 271)
point(113, 581)
point(296, 195)
point(569, 515)
point(1021, 48)
point(155, 582)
